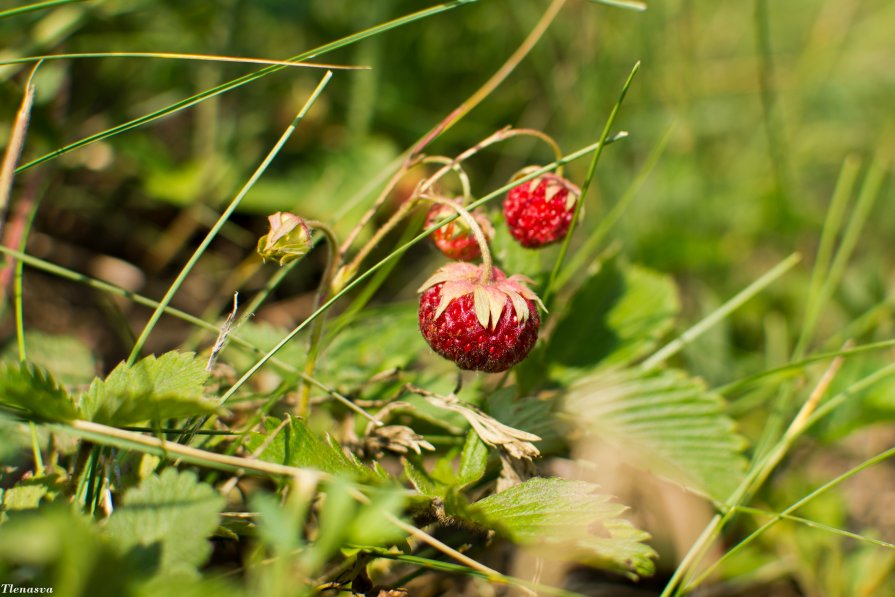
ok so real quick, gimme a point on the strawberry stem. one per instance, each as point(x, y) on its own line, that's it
point(487, 262)
point(333, 260)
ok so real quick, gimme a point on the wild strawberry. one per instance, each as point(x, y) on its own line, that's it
point(539, 212)
point(455, 239)
point(480, 323)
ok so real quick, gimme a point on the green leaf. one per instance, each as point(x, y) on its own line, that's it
point(473, 460)
point(569, 520)
point(67, 357)
point(166, 521)
point(617, 316)
point(170, 386)
point(33, 390)
point(296, 445)
point(664, 421)
point(423, 482)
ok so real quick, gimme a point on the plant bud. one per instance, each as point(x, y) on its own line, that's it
point(289, 238)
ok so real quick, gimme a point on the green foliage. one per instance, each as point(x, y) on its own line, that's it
point(664, 421)
point(29, 389)
point(617, 315)
point(473, 460)
point(568, 519)
point(153, 389)
point(165, 522)
point(296, 445)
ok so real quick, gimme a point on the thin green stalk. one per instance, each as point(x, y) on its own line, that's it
point(333, 261)
point(587, 181)
point(441, 566)
point(14, 146)
point(238, 82)
point(815, 525)
point(11, 12)
point(182, 315)
point(200, 250)
point(721, 312)
point(798, 366)
point(626, 4)
point(819, 287)
point(584, 255)
point(400, 251)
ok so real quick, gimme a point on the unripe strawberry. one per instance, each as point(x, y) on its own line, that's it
point(539, 212)
point(455, 239)
point(483, 325)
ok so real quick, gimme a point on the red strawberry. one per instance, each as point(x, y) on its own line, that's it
point(455, 239)
point(483, 325)
point(539, 212)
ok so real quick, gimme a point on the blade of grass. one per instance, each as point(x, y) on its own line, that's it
point(627, 4)
point(587, 180)
point(180, 56)
point(14, 147)
point(815, 525)
point(238, 82)
point(798, 366)
point(832, 224)
point(19, 10)
point(587, 251)
point(721, 312)
point(200, 250)
point(439, 565)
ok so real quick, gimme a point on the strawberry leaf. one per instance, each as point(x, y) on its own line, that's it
point(473, 460)
point(568, 519)
point(296, 445)
point(170, 386)
point(664, 421)
point(167, 520)
point(30, 389)
point(617, 316)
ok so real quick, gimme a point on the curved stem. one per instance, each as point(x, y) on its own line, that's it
point(333, 261)
point(456, 167)
point(487, 262)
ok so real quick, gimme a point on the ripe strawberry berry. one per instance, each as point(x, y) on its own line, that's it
point(455, 239)
point(484, 324)
point(539, 212)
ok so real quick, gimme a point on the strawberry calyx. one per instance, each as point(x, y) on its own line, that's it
point(490, 293)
